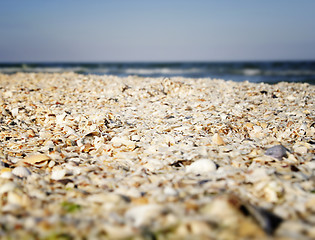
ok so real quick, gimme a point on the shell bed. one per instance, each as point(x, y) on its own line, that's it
point(104, 157)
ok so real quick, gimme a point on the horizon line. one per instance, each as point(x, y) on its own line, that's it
point(153, 61)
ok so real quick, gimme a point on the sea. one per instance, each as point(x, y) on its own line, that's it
point(261, 71)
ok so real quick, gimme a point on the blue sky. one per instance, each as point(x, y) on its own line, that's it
point(173, 30)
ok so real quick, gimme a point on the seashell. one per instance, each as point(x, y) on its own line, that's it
point(249, 125)
point(300, 149)
point(38, 160)
point(30, 133)
point(144, 215)
point(277, 152)
point(154, 164)
point(21, 172)
point(52, 163)
point(216, 139)
point(201, 166)
point(89, 138)
point(120, 141)
point(7, 187)
point(6, 175)
point(15, 112)
point(271, 191)
point(14, 198)
point(135, 138)
point(58, 174)
point(268, 221)
point(48, 146)
point(169, 191)
point(45, 135)
point(257, 174)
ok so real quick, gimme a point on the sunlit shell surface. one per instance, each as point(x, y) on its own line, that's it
point(106, 157)
point(21, 172)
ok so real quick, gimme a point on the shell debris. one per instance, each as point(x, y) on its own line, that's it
point(137, 158)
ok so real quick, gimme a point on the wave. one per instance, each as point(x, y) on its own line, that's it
point(299, 71)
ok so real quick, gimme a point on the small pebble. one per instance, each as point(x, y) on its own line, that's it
point(277, 152)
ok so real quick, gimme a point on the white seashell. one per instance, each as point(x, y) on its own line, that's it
point(58, 174)
point(60, 118)
point(14, 198)
point(144, 215)
point(21, 172)
point(51, 163)
point(272, 191)
point(72, 169)
point(201, 166)
point(258, 174)
point(154, 164)
point(119, 141)
point(291, 98)
point(6, 175)
point(49, 145)
point(135, 138)
point(15, 112)
point(45, 135)
point(300, 149)
point(169, 191)
point(7, 187)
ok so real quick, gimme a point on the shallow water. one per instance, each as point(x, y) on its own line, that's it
point(267, 71)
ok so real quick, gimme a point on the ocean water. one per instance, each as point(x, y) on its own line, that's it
point(268, 71)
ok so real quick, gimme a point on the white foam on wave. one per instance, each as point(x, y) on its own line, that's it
point(289, 73)
point(251, 72)
point(152, 71)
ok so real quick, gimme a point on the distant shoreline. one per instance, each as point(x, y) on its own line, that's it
point(239, 71)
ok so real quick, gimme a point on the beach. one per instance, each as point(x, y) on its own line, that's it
point(108, 157)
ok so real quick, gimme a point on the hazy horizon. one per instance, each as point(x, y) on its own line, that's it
point(141, 31)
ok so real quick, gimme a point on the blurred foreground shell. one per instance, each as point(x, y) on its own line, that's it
point(233, 212)
point(266, 219)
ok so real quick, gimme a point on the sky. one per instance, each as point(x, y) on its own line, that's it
point(163, 30)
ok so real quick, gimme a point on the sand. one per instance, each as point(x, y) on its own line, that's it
point(103, 157)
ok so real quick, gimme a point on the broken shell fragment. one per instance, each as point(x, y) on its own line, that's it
point(268, 221)
point(38, 160)
point(216, 139)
